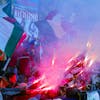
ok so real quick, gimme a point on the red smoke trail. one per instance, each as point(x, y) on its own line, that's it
point(53, 77)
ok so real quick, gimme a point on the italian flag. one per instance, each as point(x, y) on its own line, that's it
point(10, 32)
point(9, 36)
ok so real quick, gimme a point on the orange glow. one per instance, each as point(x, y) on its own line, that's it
point(48, 88)
point(53, 60)
point(89, 45)
point(81, 87)
point(73, 85)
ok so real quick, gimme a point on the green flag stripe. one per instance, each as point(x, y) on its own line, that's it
point(13, 40)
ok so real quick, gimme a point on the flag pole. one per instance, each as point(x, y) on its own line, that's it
point(6, 64)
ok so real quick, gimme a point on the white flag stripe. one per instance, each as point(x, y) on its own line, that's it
point(6, 29)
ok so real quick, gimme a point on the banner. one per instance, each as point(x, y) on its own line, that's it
point(26, 13)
